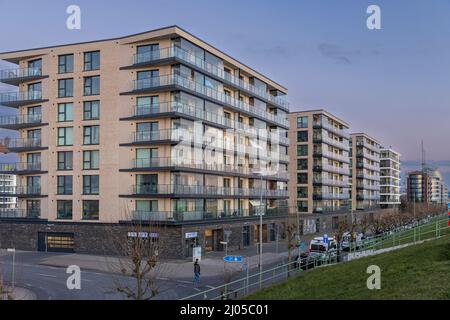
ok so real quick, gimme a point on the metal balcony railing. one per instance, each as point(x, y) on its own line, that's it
point(191, 58)
point(20, 120)
point(328, 126)
point(20, 213)
point(11, 97)
point(20, 190)
point(19, 73)
point(19, 167)
point(185, 82)
point(17, 143)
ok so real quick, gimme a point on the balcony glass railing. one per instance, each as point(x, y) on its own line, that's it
point(164, 189)
point(10, 97)
point(199, 88)
point(333, 169)
point(331, 182)
point(147, 163)
point(18, 73)
point(20, 120)
point(20, 166)
point(21, 190)
point(204, 215)
point(321, 138)
point(331, 155)
point(328, 126)
point(331, 196)
point(189, 57)
point(21, 142)
point(20, 213)
point(373, 147)
point(186, 109)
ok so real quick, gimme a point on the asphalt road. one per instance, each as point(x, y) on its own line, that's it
point(49, 283)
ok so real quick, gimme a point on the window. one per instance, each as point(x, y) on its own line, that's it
point(302, 150)
point(90, 184)
point(302, 206)
point(91, 60)
point(65, 160)
point(91, 110)
point(35, 91)
point(147, 205)
point(91, 135)
point(65, 112)
point(36, 66)
point(34, 160)
point(34, 114)
point(146, 158)
point(65, 63)
point(65, 88)
point(147, 79)
point(302, 192)
point(302, 122)
point(64, 209)
point(65, 136)
point(34, 134)
point(91, 85)
point(90, 209)
point(302, 164)
point(147, 105)
point(64, 184)
point(302, 136)
point(302, 178)
point(91, 160)
point(147, 52)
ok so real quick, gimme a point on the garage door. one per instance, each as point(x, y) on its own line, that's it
point(55, 242)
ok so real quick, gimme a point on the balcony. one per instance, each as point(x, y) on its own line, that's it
point(362, 154)
point(373, 147)
point(331, 182)
point(180, 55)
point(183, 109)
point(323, 124)
point(20, 168)
point(20, 122)
point(158, 164)
point(361, 197)
point(22, 144)
point(195, 191)
point(367, 166)
point(320, 138)
point(21, 191)
point(187, 216)
point(20, 213)
point(365, 186)
point(330, 196)
point(332, 169)
point(179, 82)
point(331, 155)
point(21, 98)
point(17, 76)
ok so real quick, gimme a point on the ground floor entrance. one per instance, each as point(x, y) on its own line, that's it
point(55, 242)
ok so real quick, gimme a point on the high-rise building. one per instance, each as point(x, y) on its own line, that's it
point(158, 127)
point(389, 178)
point(427, 186)
point(319, 166)
point(8, 202)
point(365, 172)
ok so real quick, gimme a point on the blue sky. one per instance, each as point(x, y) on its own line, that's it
point(391, 83)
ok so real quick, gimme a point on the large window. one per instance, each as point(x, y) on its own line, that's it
point(302, 136)
point(302, 122)
point(65, 136)
point(36, 66)
point(65, 63)
point(64, 184)
point(91, 110)
point(91, 60)
point(90, 184)
point(302, 164)
point(91, 85)
point(302, 206)
point(147, 52)
point(65, 88)
point(147, 205)
point(65, 160)
point(147, 79)
point(91, 135)
point(302, 150)
point(64, 209)
point(302, 192)
point(65, 112)
point(91, 160)
point(302, 178)
point(90, 210)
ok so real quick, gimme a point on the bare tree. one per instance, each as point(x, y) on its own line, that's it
point(341, 227)
point(137, 252)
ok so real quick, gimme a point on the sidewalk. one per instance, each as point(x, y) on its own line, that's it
point(212, 264)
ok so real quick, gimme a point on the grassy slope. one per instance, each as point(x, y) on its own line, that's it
point(416, 272)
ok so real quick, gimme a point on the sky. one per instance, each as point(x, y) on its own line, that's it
point(391, 83)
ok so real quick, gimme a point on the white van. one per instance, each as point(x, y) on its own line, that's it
point(318, 247)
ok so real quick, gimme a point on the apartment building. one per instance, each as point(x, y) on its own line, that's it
point(8, 202)
point(389, 178)
point(427, 186)
point(158, 127)
point(319, 167)
point(365, 172)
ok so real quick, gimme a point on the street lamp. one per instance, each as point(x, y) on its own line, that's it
point(13, 250)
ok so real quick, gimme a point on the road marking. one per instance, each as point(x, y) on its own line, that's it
point(211, 287)
point(184, 281)
point(47, 275)
point(196, 289)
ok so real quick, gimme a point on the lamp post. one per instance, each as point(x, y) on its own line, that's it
point(13, 250)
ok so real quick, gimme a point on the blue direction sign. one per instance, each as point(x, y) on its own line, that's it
point(233, 259)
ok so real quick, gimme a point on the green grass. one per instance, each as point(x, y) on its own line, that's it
point(416, 272)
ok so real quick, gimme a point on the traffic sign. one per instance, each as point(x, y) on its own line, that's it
point(233, 259)
point(325, 238)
